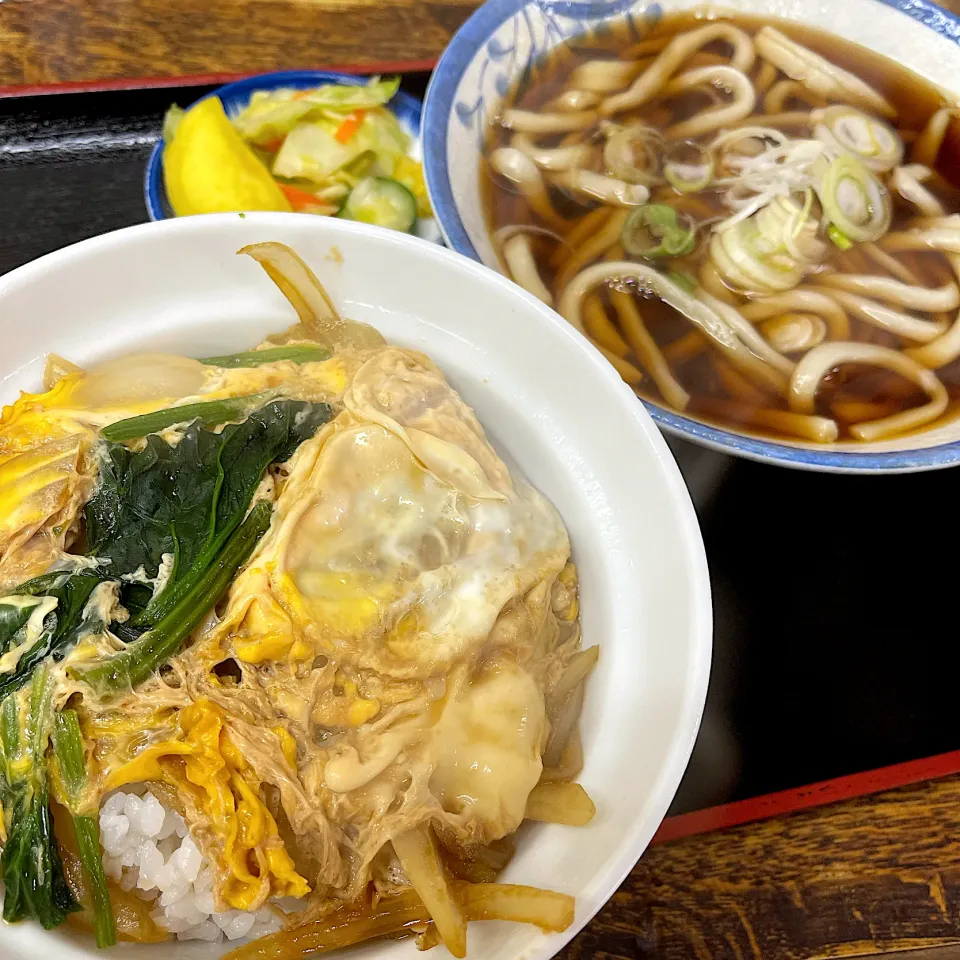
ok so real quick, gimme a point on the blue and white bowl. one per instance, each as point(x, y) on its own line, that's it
point(235, 96)
point(505, 39)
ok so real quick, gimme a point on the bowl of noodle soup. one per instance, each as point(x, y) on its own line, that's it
point(751, 210)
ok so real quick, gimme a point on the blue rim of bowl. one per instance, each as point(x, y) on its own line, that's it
point(437, 107)
point(235, 96)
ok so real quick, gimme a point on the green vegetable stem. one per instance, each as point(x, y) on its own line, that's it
point(30, 865)
point(207, 413)
point(140, 658)
point(257, 358)
point(72, 766)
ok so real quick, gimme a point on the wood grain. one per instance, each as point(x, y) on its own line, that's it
point(104, 41)
point(868, 876)
point(83, 41)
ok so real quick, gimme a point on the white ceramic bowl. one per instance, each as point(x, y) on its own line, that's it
point(546, 398)
point(504, 38)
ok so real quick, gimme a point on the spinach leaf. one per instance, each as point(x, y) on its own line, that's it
point(68, 748)
point(186, 500)
point(30, 865)
point(133, 664)
point(61, 628)
point(191, 500)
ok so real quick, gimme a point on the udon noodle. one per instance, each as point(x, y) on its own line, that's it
point(757, 225)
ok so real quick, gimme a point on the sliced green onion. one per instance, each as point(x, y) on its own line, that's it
point(839, 238)
point(769, 251)
point(632, 154)
point(804, 214)
point(844, 129)
point(683, 280)
point(689, 167)
point(854, 200)
point(656, 222)
point(256, 358)
point(209, 413)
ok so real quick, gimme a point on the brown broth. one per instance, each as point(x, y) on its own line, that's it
point(718, 393)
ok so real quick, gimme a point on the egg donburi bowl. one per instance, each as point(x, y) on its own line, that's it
point(287, 653)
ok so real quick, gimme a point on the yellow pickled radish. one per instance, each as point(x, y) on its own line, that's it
point(207, 168)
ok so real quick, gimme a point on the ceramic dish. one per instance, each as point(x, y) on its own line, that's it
point(504, 37)
point(235, 96)
point(548, 401)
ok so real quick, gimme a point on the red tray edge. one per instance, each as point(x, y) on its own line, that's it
point(802, 798)
point(195, 80)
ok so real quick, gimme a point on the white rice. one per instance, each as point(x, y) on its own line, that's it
point(148, 849)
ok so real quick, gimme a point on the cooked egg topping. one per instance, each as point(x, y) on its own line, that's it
point(399, 536)
point(47, 464)
point(383, 658)
point(221, 790)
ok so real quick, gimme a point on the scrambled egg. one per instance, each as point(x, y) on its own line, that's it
point(399, 536)
point(47, 466)
point(383, 659)
point(397, 619)
point(218, 786)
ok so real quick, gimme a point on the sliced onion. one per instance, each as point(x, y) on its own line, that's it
point(897, 322)
point(716, 327)
point(688, 167)
point(654, 231)
point(633, 154)
point(55, 368)
point(555, 158)
point(874, 142)
point(925, 299)
point(817, 73)
point(769, 252)
point(601, 187)
point(299, 284)
point(855, 200)
point(747, 332)
point(142, 378)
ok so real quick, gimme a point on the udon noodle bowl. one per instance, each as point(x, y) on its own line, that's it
point(756, 223)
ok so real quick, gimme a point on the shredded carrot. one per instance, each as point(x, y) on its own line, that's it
point(302, 200)
point(351, 124)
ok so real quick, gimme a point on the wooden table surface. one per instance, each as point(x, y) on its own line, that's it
point(90, 41)
point(874, 875)
point(53, 42)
